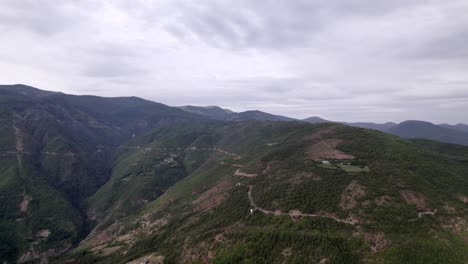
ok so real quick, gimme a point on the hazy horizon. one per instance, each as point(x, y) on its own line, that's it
point(353, 61)
point(243, 110)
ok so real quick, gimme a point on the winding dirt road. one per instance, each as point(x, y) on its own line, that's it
point(255, 207)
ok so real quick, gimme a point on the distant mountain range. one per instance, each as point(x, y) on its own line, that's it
point(454, 134)
point(218, 113)
point(459, 127)
point(426, 130)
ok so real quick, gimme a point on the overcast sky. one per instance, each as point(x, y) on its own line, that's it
point(344, 60)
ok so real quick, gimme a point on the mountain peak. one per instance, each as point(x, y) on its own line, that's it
point(315, 120)
point(27, 90)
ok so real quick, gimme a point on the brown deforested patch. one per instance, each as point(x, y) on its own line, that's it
point(267, 168)
point(287, 252)
point(19, 139)
point(455, 224)
point(45, 233)
point(149, 259)
point(462, 198)
point(351, 193)
point(449, 209)
point(321, 133)
point(118, 232)
point(412, 197)
point(326, 149)
point(219, 238)
point(25, 203)
point(213, 197)
point(94, 239)
point(37, 256)
point(148, 223)
point(324, 260)
point(324, 146)
point(108, 251)
point(299, 178)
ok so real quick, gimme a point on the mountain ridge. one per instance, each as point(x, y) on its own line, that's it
point(443, 132)
point(86, 179)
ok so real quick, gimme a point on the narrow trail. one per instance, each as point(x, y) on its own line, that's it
point(215, 149)
point(14, 152)
point(20, 151)
point(255, 207)
point(231, 164)
point(238, 172)
point(19, 146)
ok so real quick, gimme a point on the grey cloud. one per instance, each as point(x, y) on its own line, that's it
point(245, 24)
point(42, 17)
point(354, 60)
point(112, 69)
point(268, 23)
point(113, 50)
point(447, 46)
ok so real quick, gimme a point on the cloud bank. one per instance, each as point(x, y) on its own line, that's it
point(356, 60)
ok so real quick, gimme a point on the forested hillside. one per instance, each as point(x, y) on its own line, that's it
point(86, 179)
point(56, 151)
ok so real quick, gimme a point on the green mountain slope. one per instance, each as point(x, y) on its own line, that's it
point(57, 150)
point(454, 134)
point(376, 198)
point(86, 179)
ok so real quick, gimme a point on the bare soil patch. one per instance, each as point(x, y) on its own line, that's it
point(350, 194)
point(19, 140)
point(287, 252)
point(25, 203)
point(43, 233)
point(149, 259)
point(267, 168)
point(118, 232)
point(322, 132)
point(109, 250)
point(412, 197)
point(239, 173)
point(324, 260)
point(449, 209)
point(462, 198)
point(454, 224)
point(326, 149)
point(213, 197)
point(299, 178)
